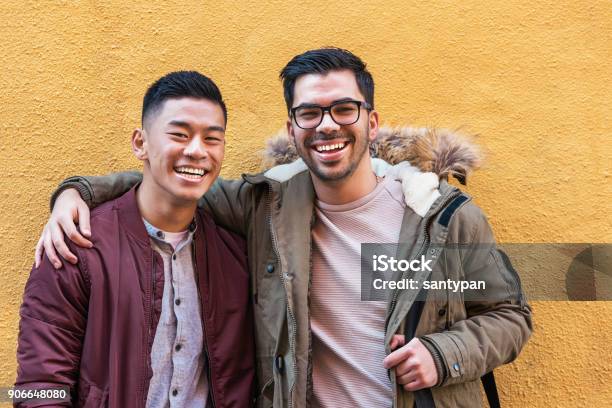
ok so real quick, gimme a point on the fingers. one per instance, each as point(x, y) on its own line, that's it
point(84, 226)
point(412, 376)
point(39, 250)
point(57, 238)
point(413, 364)
point(407, 366)
point(75, 236)
point(397, 356)
point(62, 219)
point(68, 210)
point(415, 385)
point(68, 226)
point(407, 378)
point(50, 250)
point(397, 340)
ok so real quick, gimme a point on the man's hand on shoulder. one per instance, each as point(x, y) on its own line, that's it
point(414, 365)
point(68, 210)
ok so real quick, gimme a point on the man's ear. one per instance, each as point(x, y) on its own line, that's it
point(290, 131)
point(139, 144)
point(373, 122)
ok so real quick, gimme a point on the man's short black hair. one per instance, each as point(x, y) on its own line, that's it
point(322, 61)
point(181, 84)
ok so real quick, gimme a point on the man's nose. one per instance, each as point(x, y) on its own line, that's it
point(196, 149)
point(327, 124)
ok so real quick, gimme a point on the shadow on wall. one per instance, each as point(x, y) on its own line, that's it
point(580, 272)
point(589, 276)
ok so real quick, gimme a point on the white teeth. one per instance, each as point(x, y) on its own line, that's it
point(325, 148)
point(190, 172)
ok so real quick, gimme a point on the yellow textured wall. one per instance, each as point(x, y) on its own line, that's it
point(531, 78)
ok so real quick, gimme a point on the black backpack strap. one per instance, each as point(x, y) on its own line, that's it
point(422, 398)
point(450, 209)
point(488, 382)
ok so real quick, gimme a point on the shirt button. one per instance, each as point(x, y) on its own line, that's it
point(174, 257)
point(177, 302)
point(159, 234)
point(178, 347)
point(456, 366)
point(174, 392)
point(270, 268)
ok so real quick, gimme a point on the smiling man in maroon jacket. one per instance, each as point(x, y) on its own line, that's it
point(157, 312)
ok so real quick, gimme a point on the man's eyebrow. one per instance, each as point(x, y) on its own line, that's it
point(179, 123)
point(217, 128)
point(346, 99)
point(315, 105)
point(186, 125)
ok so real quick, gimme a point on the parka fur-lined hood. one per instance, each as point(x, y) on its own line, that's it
point(441, 151)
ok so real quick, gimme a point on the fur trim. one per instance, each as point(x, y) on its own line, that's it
point(279, 150)
point(441, 151)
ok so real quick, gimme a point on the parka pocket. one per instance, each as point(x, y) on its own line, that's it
point(264, 399)
point(461, 395)
point(265, 390)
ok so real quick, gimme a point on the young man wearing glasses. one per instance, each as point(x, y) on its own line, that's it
point(305, 223)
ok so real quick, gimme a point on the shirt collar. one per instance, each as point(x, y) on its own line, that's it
point(159, 234)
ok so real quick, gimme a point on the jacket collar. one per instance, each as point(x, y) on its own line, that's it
point(278, 174)
point(423, 191)
point(132, 221)
point(130, 216)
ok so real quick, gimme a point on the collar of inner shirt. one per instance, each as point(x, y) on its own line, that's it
point(159, 234)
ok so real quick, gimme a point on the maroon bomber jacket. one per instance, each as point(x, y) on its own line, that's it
point(90, 326)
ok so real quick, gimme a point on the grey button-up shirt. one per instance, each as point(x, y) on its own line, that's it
point(177, 357)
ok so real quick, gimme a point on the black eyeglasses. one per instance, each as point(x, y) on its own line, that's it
point(342, 112)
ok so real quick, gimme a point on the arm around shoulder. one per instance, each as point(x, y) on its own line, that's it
point(95, 190)
point(230, 203)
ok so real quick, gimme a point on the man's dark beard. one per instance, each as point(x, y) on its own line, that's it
point(357, 155)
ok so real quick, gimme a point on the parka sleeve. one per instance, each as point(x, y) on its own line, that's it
point(53, 318)
point(229, 203)
point(96, 190)
point(498, 325)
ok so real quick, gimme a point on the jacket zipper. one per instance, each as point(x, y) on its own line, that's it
point(422, 250)
point(152, 297)
point(290, 312)
point(208, 365)
point(150, 300)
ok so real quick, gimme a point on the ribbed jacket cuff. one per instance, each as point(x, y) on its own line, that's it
point(437, 358)
point(79, 185)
